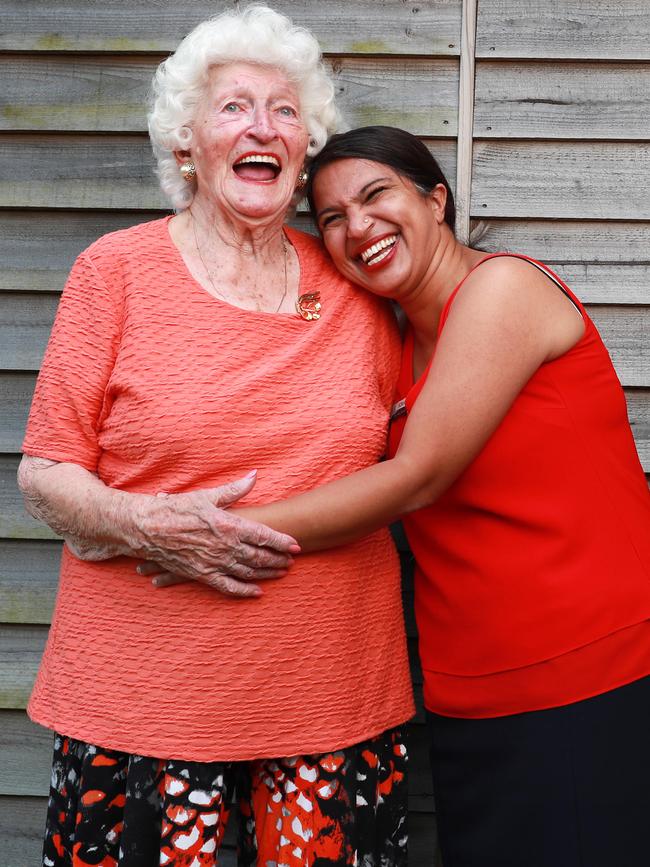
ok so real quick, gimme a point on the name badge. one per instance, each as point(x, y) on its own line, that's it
point(398, 410)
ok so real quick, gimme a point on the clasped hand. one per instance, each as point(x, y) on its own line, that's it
point(192, 537)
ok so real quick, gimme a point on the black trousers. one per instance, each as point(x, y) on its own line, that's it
point(566, 787)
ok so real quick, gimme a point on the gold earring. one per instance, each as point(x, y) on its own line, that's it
point(188, 171)
point(301, 180)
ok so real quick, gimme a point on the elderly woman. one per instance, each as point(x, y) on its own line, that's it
point(514, 466)
point(186, 352)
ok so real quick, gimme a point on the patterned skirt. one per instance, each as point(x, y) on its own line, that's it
point(114, 809)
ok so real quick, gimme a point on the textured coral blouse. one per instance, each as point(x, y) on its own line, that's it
point(154, 384)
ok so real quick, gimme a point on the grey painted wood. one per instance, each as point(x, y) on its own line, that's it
point(37, 248)
point(572, 241)
point(25, 323)
point(78, 172)
point(626, 334)
point(423, 840)
point(419, 96)
point(15, 523)
point(95, 94)
point(590, 29)
point(102, 172)
point(22, 821)
point(571, 180)
point(25, 755)
point(21, 648)
point(28, 580)
point(16, 390)
point(562, 100)
point(638, 408)
point(362, 27)
point(608, 284)
point(87, 94)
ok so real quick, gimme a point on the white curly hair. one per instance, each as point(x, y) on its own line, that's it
point(256, 34)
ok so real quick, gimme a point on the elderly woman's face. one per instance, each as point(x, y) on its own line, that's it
point(248, 141)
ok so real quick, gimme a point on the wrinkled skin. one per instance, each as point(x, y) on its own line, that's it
point(191, 535)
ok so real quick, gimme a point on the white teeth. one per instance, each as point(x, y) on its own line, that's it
point(259, 158)
point(368, 254)
point(380, 257)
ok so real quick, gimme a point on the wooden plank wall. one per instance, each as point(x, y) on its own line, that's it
point(561, 165)
point(560, 171)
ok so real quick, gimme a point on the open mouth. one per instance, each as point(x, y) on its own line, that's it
point(378, 251)
point(257, 167)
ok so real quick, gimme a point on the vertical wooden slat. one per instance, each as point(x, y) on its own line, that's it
point(465, 119)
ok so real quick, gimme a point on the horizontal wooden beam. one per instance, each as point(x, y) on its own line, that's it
point(29, 577)
point(542, 100)
point(78, 172)
point(564, 29)
point(22, 822)
point(21, 648)
point(362, 27)
point(575, 180)
point(574, 242)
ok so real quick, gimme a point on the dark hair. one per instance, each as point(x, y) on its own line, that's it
point(390, 146)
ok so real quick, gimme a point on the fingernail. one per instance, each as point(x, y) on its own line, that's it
point(294, 549)
point(155, 582)
point(138, 569)
point(251, 474)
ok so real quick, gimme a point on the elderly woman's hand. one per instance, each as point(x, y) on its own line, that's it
point(189, 534)
point(189, 537)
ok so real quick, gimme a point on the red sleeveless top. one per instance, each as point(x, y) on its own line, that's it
point(533, 568)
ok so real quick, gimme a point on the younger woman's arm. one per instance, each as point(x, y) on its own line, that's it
point(507, 321)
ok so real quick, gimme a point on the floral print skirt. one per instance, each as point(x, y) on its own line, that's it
point(114, 809)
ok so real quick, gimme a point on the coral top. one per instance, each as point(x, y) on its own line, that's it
point(154, 384)
point(533, 579)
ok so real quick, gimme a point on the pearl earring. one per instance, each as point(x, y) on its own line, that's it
point(188, 171)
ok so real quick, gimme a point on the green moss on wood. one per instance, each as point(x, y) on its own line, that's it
point(370, 46)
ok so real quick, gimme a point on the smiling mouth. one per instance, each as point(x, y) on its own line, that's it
point(257, 167)
point(377, 252)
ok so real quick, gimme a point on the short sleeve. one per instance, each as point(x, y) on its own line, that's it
point(70, 392)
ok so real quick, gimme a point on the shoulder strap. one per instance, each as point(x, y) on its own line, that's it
point(539, 265)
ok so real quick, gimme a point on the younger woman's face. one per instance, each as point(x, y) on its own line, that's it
point(380, 231)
